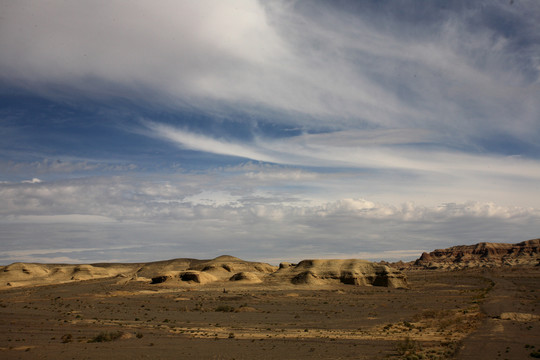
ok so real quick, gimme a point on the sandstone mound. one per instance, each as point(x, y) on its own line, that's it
point(525, 253)
point(246, 277)
point(159, 268)
point(198, 277)
point(187, 270)
point(199, 272)
point(87, 272)
point(28, 274)
point(351, 271)
point(220, 268)
point(283, 265)
point(24, 271)
point(225, 266)
point(196, 271)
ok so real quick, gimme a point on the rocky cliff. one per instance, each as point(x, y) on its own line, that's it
point(484, 254)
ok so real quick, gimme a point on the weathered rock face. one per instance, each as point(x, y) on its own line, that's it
point(193, 271)
point(198, 277)
point(160, 279)
point(28, 274)
point(184, 270)
point(246, 277)
point(525, 253)
point(351, 271)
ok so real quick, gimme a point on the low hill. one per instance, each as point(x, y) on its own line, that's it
point(219, 271)
point(331, 271)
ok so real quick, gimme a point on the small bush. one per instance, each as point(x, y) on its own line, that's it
point(407, 347)
point(106, 336)
point(408, 324)
point(67, 338)
point(225, 308)
point(535, 354)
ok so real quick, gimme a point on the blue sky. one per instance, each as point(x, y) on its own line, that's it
point(266, 130)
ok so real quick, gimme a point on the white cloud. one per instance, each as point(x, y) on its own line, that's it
point(395, 255)
point(242, 216)
point(350, 68)
point(213, 199)
point(56, 219)
point(452, 174)
point(33, 181)
point(203, 143)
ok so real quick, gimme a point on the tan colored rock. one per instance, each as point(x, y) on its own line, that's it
point(350, 271)
point(200, 272)
point(223, 267)
point(198, 277)
point(522, 317)
point(246, 277)
point(24, 271)
point(525, 253)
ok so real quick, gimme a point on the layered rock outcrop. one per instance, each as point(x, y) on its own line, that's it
point(484, 254)
point(349, 271)
point(221, 270)
point(193, 271)
point(21, 274)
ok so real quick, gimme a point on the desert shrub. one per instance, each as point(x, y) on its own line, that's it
point(139, 335)
point(407, 346)
point(535, 354)
point(225, 308)
point(67, 338)
point(408, 324)
point(106, 336)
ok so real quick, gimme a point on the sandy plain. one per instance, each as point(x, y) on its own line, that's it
point(465, 314)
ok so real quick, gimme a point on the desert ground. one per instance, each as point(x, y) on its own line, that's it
point(462, 314)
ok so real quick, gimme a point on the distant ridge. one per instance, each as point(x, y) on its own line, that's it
point(484, 254)
point(225, 269)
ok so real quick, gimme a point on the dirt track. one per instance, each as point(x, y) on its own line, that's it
point(511, 325)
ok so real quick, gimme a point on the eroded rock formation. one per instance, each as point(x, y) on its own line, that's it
point(484, 254)
point(350, 271)
point(218, 271)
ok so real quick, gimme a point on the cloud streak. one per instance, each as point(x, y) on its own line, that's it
point(355, 68)
point(358, 150)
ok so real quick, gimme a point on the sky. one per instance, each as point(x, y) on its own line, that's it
point(268, 130)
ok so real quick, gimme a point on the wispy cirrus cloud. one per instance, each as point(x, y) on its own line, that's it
point(457, 75)
point(380, 150)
